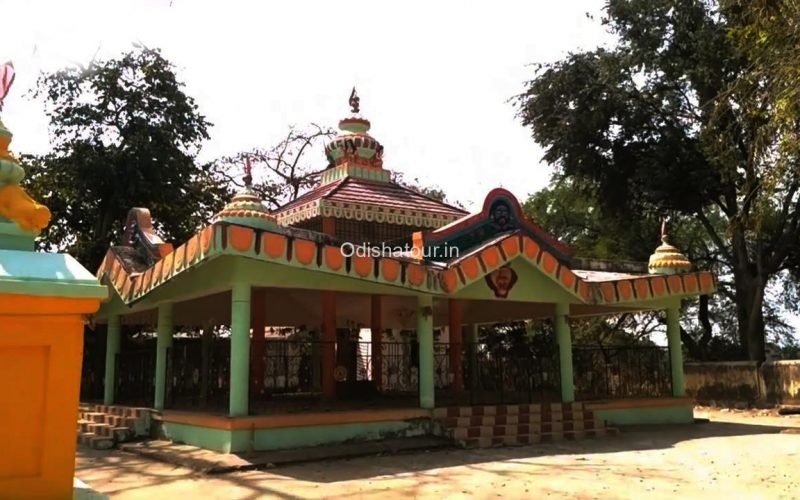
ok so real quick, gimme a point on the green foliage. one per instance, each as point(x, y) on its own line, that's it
point(124, 135)
point(658, 125)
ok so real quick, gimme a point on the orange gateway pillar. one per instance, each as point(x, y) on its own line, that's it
point(376, 326)
point(44, 299)
point(456, 344)
point(258, 323)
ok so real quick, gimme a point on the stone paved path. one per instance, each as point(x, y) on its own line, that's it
point(739, 455)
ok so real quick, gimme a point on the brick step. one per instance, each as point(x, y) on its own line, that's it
point(526, 439)
point(521, 429)
point(123, 411)
point(94, 441)
point(487, 410)
point(524, 418)
point(93, 416)
point(98, 428)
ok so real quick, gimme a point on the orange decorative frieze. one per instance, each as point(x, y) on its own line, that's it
point(334, 258)
point(363, 266)
point(305, 251)
point(274, 245)
point(390, 270)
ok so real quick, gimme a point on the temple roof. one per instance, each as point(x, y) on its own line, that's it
point(365, 199)
point(496, 248)
point(356, 186)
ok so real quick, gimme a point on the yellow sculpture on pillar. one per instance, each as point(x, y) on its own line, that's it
point(15, 204)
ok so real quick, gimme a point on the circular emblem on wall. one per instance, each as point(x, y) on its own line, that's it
point(340, 373)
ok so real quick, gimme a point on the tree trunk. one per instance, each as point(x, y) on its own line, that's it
point(750, 318)
point(750, 281)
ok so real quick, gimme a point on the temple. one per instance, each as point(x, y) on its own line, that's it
point(358, 311)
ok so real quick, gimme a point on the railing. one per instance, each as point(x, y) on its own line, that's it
point(518, 374)
point(93, 367)
point(291, 367)
point(295, 367)
point(195, 383)
point(135, 371)
point(621, 372)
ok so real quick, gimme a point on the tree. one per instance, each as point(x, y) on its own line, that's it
point(124, 134)
point(656, 125)
point(434, 192)
point(283, 171)
point(574, 215)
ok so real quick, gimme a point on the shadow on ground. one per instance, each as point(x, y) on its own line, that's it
point(118, 468)
point(631, 438)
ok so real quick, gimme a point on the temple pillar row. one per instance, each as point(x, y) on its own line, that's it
point(425, 340)
point(238, 404)
point(112, 349)
point(164, 329)
point(564, 340)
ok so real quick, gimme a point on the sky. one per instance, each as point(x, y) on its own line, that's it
point(434, 77)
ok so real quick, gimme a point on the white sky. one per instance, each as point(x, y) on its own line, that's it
point(434, 77)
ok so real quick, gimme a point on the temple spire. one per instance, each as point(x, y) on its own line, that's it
point(354, 149)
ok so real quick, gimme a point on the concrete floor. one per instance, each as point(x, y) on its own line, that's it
point(738, 455)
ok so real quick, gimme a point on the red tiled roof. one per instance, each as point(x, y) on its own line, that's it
point(389, 195)
point(315, 194)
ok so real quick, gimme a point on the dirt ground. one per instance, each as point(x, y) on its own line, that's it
point(739, 454)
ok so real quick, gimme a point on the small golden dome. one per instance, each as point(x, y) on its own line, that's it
point(667, 259)
point(246, 208)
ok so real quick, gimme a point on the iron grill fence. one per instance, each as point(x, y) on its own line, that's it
point(511, 375)
point(193, 384)
point(489, 374)
point(621, 372)
point(135, 372)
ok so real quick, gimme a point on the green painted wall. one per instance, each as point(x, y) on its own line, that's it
point(295, 437)
point(291, 437)
point(678, 414)
point(211, 439)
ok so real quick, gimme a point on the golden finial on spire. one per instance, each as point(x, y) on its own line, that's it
point(667, 259)
point(354, 101)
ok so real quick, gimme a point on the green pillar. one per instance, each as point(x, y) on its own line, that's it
point(564, 352)
point(240, 350)
point(112, 349)
point(164, 329)
point(675, 353)
point(425, 340)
